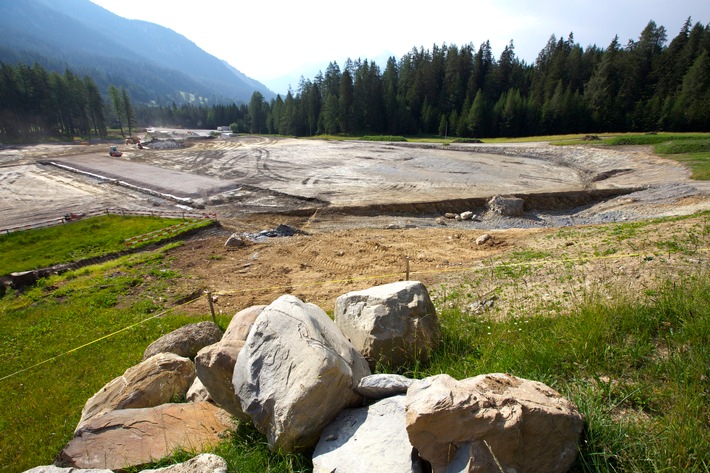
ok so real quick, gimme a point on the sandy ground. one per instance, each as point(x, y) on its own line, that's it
point(366, 210)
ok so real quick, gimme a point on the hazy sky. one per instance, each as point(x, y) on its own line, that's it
point(268, 39)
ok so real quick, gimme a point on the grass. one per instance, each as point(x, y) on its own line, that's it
point(43, 247)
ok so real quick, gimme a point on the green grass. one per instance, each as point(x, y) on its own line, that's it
point(383, 138)
point(43, 247)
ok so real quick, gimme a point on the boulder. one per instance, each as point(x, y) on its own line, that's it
point(235, 241)
point(467, 215)
point(215, 364)
point(295, 373)
point(483, 239)
point(393, 324)
point(379, 386)
point(197, 392)
point(59, 469)
point(367, 439)
point(150, 383)
point(450, 215)
point(204, 463)
point(509, 206)
point(480, 423)
point(131, 437)
point(185, 341)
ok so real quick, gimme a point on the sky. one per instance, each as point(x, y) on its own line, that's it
point(277, 41)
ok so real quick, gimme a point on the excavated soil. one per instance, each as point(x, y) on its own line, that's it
point(367, 210)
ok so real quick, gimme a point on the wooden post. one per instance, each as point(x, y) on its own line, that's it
point(209, 300)
point(407, 261)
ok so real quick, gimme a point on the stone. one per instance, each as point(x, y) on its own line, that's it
point(367, 439)
point(155, 381)
point(393, 324)
point(215, 364)
point(58, 469)
point(483, 239)
point(197, 392)
point(185, 341)
point(379, 386)
point(130, 437)
point(450, 215)
point(478, 423)
point(467, 216)
point(23, 278)
point(204, 463)
point(509, 206)
point(235, 241)
point(440, 221)
point(295, 373)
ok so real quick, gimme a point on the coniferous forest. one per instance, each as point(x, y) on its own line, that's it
point(650, 84)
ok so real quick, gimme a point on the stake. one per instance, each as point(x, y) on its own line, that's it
point(209, 300)
point(406, 258)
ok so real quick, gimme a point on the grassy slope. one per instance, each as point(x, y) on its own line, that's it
point(637, 367)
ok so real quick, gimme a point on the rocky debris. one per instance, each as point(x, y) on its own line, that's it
point(367, 439)
point(235, 241)
point(152, 382)
point(508, 206)
point(130, 437)
point(393, 324)
point(215, 364)
point(185, 341)
point(380, 386)
point(495, 422)
point(483, 239)
point(205, 463)
point(156, 143)
point(295, 373)
point(197, 392)
point(483, 305)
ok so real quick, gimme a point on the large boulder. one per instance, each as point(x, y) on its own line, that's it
point(490, 422)
point(130, 437)
point(185, 341)
point(155, 381)
point(215, 364)
point(295, 373)
point(393, 324)
point(367, 439)
point(508, 205)
point(380, 386)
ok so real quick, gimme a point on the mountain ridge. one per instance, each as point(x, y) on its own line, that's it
point(154, 63)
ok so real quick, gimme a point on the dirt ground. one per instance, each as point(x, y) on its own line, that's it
point(366, 211)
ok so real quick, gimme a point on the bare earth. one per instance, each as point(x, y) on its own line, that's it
point(365, 208)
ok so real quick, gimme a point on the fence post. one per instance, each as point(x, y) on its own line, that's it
point(406, 258)
point(209, 300)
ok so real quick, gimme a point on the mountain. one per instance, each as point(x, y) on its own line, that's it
point(154, 63)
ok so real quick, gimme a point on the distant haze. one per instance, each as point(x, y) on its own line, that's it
point(276, 41)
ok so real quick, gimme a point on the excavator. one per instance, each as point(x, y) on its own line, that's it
point(114, 152)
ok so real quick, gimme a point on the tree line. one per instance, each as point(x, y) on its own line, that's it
point(36, 104)
point(646, 85)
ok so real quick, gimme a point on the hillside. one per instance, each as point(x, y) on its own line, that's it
point(153, 62)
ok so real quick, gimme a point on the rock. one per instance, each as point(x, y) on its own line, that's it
point(450, 215)
point(150, 383)
point(524, 425)
point(440, 221)
point(467, 216)
point(483, 239)
point(197, 392)
point(204, 463)
point(295, 373)
point(185, 341)
point(508, 206)
point(235, 241)
point(367, 439)
point(58, 469)
point(215, 364)
point(130, 437)
point(379, 386)
point(23, 278)
point(393, 324)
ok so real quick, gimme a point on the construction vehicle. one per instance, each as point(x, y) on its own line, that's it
point(114, 152)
